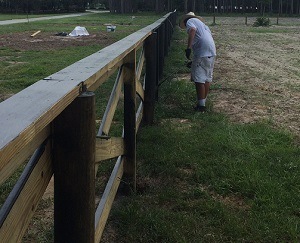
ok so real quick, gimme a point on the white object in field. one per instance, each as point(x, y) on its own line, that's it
point(111, 28)
point(79, 31)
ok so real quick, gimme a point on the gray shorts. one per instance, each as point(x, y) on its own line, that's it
point(202, 69)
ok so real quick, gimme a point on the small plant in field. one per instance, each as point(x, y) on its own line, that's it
point(261, 21)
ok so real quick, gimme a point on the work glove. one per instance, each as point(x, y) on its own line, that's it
point(189, 64)
point(188, 52)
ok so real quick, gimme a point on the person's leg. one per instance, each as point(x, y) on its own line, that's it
point(199, 75)
point(209, 77)
point(207, 86)
point(200, 90)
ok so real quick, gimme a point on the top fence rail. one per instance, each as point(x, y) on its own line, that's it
point(53, 122)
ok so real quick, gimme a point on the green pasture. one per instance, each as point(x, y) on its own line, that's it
point(21, 68)
point(201, 177)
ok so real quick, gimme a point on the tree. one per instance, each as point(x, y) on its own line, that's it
point(264, 3)
point(122, 6)
point(129, 6)
point(185, 6)
point(159, 6)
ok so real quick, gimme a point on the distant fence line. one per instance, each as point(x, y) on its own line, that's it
point(249, 20)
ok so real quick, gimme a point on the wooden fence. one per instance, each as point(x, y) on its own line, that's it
point(50, 126)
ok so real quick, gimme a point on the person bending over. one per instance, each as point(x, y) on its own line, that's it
point(201, 42)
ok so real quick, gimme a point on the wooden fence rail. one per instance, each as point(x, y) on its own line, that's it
point(52, 122)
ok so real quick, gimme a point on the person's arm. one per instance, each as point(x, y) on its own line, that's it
point(191, 36)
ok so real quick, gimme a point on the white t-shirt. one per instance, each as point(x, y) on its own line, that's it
point(203, 44)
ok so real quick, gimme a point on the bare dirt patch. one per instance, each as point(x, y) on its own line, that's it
point(232, 200)
point(257, 75)
point(50, 41)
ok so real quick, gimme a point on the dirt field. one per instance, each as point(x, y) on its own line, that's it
point(50, 41)
point(257, 73)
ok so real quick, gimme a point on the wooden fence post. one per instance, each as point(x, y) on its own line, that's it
point(166, 37)
point(161, 49)
point(129, 177)
point(174, 15)
point(151, 78)
point(74, 141)
point(170, 31)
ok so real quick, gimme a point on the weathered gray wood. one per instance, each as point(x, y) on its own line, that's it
point(74, 142)
point(29, 111)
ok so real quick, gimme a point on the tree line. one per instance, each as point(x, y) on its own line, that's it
point(30, 6)
point(204, 6)
point(128, 6)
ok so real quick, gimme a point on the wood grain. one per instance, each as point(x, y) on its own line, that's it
point(107, 199)
point(112, 105)
point(23, 210)
point(109, 148)
point(74, 142)
point(7, 168)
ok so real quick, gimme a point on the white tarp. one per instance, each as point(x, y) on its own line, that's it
point(111, 28)
point(79, 31)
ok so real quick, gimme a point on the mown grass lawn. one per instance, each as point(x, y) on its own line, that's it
point(201, 177)
point(23, 61)
point(204, 178)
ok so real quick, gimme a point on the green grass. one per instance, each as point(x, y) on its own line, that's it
point(202, 178)
point(20, 68)
point(191, 170)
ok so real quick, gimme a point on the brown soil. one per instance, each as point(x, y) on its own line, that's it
point(50, 41)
